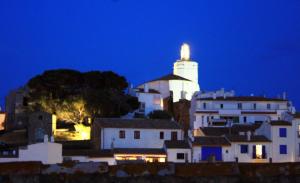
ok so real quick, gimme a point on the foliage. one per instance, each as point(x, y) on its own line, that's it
point(159, 114)
point(73, 95)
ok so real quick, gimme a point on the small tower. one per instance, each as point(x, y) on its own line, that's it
point(185, 67)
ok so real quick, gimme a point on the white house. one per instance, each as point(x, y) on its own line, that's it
point(182, 83)
point(296, 135)
point(178, 151)
point(228, 110)
point(282, 135)
point(45, 152)
point(136, 139)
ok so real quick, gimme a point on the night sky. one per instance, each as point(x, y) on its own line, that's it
point(250, 46)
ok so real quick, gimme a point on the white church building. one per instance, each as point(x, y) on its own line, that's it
point(181, 84)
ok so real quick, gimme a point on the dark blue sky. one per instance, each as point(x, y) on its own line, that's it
point(251, 46)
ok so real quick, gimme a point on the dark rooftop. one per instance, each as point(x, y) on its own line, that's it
point(243, 138)
point(138, 151)
point(88, 152)
point(177, 144)
point(211, 141)
point(169, 77)
point(297, 115)
point(245, 98)
point(235, 129)
point(280, 123)
point(136, 123)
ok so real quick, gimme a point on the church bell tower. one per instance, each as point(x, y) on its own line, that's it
point(185, 67)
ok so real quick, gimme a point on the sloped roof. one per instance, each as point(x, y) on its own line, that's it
point(169, 77)
point(245, 98)
point(280, 123)
point(211, 141)
point(136, 123)
point(177, 144)
point(88, 152)
point(243, 138)
point(138, 151)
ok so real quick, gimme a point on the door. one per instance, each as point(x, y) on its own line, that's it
point(210, 152)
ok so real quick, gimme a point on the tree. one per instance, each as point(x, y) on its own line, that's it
point(73, 95)
point(159, 114)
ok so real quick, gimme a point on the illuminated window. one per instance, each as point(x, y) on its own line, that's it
point(244, 149)
point(161, 135)
point(282, 149)
point(282, 132)
point(122, 134)
point(180, 155)
point(137, 134)
point(259, 152)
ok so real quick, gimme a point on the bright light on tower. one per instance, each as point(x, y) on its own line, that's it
point(185, 52)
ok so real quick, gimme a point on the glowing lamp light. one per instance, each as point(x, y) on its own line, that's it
point(185, 52)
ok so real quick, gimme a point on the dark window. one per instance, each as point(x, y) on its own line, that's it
point(244, 149)
point(122, 134)
point(137, 135)
point(254, 106)
point(282, 149)
point(180, 155)
point(221, 106)
point(204, 105)
point(268, 106)
point(40, 117)
point(282, 132)
point(161, 135)
point(173, 135)
point(245, 119)
point(212, 117)
point(239, 105)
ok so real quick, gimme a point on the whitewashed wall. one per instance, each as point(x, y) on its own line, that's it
point(172, 155)
point(149, 138)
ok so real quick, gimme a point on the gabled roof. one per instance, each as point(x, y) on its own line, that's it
point(177, 144)
point(211, 141)
point(243, 138)
point(136, 123)
point(169, 77)
point(245, 98)
point(280, 123)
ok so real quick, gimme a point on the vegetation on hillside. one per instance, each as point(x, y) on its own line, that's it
point(74, 95)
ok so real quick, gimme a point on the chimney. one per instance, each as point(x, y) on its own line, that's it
point(146, 88)
point(248, 135)
point(284, 95)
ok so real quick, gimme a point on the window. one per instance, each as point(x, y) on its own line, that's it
point(239, 105)
point(282, 132)
point(244, 149)
point(40, 117)
point(137, 135)
point(221, 106)
point(142, 106)
point(254, 106)
point(173, 135)
point(204, 105)
point(268, 106)
point(282, 149)
point(161, 135)
point(259, 152)
point(122, 134)
point(180, 155)
point(245, 119)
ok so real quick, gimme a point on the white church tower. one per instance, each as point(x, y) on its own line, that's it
point(185, 67)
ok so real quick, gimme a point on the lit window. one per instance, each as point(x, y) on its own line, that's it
point(282, 132)
point(244, 149)
point(122, 134)
point(259, 152)
point(180, 155)
point(282, 149)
